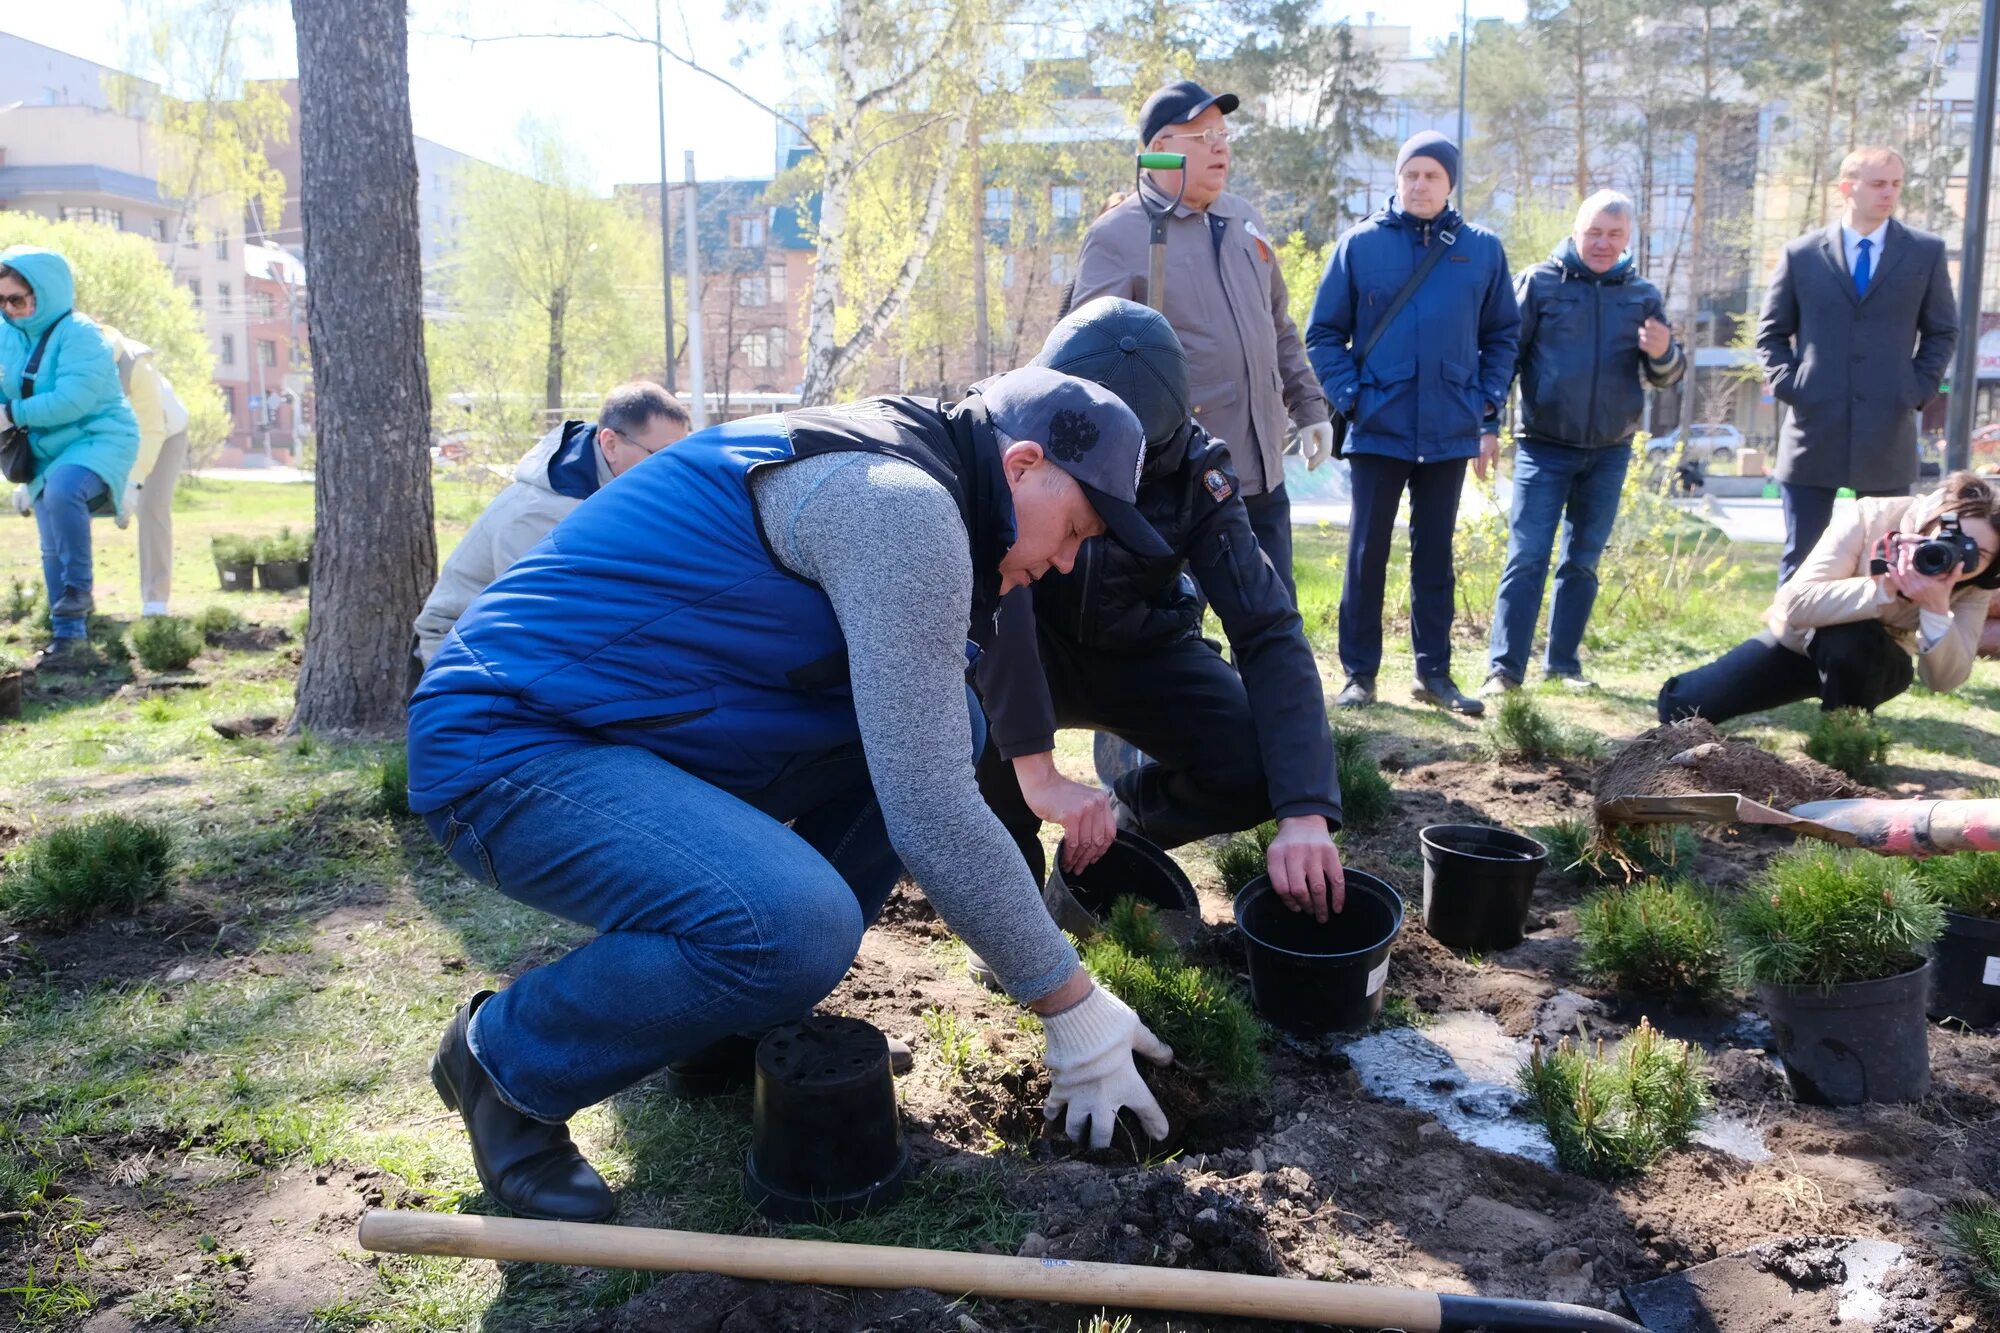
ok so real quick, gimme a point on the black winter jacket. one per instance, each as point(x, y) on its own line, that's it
point(1580, 365)
point(1117, 603)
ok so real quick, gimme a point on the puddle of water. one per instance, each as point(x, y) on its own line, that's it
point(1868, 1262)
point(1462, 1070)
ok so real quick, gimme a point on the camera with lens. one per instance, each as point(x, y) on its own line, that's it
point(1949, 548)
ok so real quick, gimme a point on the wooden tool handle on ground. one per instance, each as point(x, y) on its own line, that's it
point(952, 1274)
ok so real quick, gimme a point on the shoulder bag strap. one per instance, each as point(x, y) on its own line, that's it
point(35, 361)
point(1432, 254)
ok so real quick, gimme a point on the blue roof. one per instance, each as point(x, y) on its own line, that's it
point(82, 178)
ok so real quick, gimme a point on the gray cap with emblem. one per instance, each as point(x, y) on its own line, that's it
point(1088, 432)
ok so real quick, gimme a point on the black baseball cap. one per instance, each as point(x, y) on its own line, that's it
point(1088, 432)
point(1131, 350)
point(1178, 103)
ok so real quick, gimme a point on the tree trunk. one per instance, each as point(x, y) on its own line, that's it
point(1582, 55)
point(375, 553)
point(553, 377)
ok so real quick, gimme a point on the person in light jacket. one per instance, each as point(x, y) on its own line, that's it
point(1845, 635)
point(84, 437)
point(163, 448)
point(1226, 300)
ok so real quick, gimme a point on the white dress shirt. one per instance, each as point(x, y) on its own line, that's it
point(1850, 241)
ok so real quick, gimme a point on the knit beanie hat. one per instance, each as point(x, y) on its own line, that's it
point(1430, 144)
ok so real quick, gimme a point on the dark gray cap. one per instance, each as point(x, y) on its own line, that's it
point(1131, 350)
point(1087, 432)
point(1177, 104)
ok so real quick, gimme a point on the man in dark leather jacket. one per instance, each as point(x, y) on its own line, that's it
point(1115, 643)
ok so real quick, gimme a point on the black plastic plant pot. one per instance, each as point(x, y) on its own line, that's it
point(1965, 975)
point(10, 694)
point(1859, 1041)
point(1309, 977)
point(1130, 867)
point(280, 575)
point(236, 577)
point(826, 1139)
point(1477, 882)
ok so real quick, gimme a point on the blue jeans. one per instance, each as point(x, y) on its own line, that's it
point(63, 516)
point(714, 917)
point(1578, 488)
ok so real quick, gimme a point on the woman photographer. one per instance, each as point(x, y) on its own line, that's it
point(1899, 576)
point(83, 437)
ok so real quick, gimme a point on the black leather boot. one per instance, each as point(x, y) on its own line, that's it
point(1443, 692)
point(529, 1165)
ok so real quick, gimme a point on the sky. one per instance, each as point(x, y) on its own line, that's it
point(600, 95)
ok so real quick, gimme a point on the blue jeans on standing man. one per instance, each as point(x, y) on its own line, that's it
point(1578, 488)
point(62, 514)
point(714, 917)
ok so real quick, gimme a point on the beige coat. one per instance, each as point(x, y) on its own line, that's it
point(1247, 367)
point(1834, 587)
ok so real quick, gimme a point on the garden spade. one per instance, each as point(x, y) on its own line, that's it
point(997, 1276)
point(1887, 827)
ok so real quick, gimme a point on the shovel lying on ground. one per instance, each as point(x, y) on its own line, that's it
point(1888, 827)
point(994, 1276)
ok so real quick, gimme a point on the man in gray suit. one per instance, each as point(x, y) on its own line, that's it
point(1857, 330)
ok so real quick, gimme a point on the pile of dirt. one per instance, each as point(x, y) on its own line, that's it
point(710, 1303)
point(1691, 757)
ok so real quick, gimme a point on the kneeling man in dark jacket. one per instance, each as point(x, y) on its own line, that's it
point(1115, 643)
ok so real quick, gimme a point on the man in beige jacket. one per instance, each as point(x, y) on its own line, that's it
point(163, 450)
point(1227, 302)
point(1844, 627)
point(572, 461)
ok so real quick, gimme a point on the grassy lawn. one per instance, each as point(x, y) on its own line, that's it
point(272, 1018)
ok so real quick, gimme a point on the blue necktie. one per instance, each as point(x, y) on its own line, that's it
point(1861, 269)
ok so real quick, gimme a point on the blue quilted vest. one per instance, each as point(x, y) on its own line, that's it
point(655, 615)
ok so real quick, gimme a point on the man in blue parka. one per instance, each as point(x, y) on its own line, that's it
point(720, 710)
point(84, 436)
point(1425, 401)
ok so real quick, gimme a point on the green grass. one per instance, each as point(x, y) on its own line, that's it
point(1521, 728)
point(103, 864)
point(1366, 799)
point(1973, 1227)
point(1821, 916)
point(1968, 882)
point(1851, 740)
point(1653, 937)
point(392, 784)
point(1585, 851)
point(954, 1043)
point(1612, 1116)
point(214, 622)
point(1203, 1015)
point(22, 599)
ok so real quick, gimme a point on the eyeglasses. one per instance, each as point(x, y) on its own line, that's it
point(612, 430)
point(11, 301)
point(1214, 136)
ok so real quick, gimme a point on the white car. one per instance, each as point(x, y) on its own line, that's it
point(1708, 444)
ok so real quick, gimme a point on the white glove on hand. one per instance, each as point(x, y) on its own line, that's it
point(6, 417)
point(1316, 441)
point(22, 504)
point(1091, 1071)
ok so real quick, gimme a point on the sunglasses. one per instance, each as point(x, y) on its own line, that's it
point(11, 301)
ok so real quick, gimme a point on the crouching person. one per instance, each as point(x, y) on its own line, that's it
point(719, 711)
point(1844, 627)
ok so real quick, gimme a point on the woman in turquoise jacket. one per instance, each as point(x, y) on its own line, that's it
point(84, 435)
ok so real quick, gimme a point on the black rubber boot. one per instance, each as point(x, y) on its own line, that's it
point(529, 1165)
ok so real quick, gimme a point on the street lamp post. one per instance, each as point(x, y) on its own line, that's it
point(1972, 254)
point(1464, 23)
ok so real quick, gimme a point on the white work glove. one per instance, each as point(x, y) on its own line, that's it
point(1091, 1070)
point(22, 504)
point(1316, 441)
point(6, 417)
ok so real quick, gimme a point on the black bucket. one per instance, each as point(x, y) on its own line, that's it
point(826, 1139)
point(1965, 975)
point(1860, 1041)
point(1130, 867)
point(1307, 977)
point(1477, 882)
